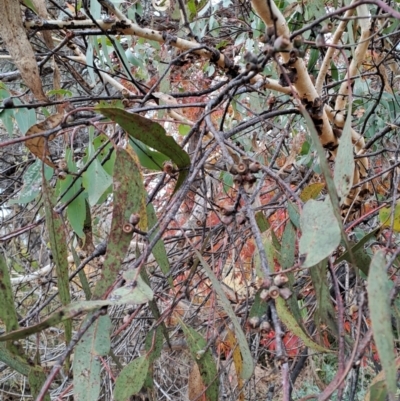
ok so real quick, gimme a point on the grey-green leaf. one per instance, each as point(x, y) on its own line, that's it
point(248, 365)
point(131, 379)
point(379, 305)
point(87, 366)
point(135, 292)
point(205, 361)
point(344, 166)
point(320, 231)
point(151, 134)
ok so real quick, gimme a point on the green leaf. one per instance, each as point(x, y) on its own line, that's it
point(386, 220)
point(151, 134)
point(29, 4)
point(159, 251)
point(59, 249)
point(344, 163)
point(154, 343)
point(378, 391)
point(136, 291)
point(205, 361)
point(87, 365)
point(98, 142)
point(7, 116)
point(82, 275)
point(25, 117)
point(36, 379)
point(8, 314)
point(128, 195)
point(294, 214)
point(14, 361)
point(324, 313)
point(262, 222)
point(32, 183)
point(96, 181)
point(289, 321)
point(67, 312)
point(63, 92)
point(131, 379)
point(378, 289)
point(148, 158)
point(360, 256)
point(76, 214)
point(184, 129)
point(288, 251)
point(314, 54)
point(311, 191)
point(259, 307)
point(248, 366)
point(76, 210)
point(320, 231)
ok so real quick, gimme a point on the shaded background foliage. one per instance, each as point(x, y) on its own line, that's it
point(181, 217)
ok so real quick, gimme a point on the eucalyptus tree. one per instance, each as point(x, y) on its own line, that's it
point(209, 183)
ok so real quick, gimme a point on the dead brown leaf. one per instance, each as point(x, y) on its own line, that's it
point(13, 33)
point(195, 385)
point(38, 145)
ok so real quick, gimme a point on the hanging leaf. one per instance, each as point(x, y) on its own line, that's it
point(14, 361)
point(137, 291)
point(143, 202)
point(154, 343)
point(67, 312)
point(386, 219)
point(248, 366)
point(358, 251)
point(36, 379)
point(320, 231)
point(39, 145)
point(259, 307)
point(294, 214)
point(204, 360)
point(8, 313)
point(289, 321)
point(59, 250)
point(76, 210)
point(151, 134)
point(344, 165)
point(96, 181)
point(311, 191)
point(131, 379)
point(148, 158)
point(288, 251)
point(159, 251)
point(25, 117)
point(237, 360)
point(378, 290)
point(325, 312)
point(377, 390)
point(87, 365)
point(32, 183)
point(128, 195)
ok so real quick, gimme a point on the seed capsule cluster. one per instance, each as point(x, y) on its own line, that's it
point(244, 172)
point(229, 213)
point(272, 289)
point(130, 225)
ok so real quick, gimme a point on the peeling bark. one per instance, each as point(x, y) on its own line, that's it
point(13, 33)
